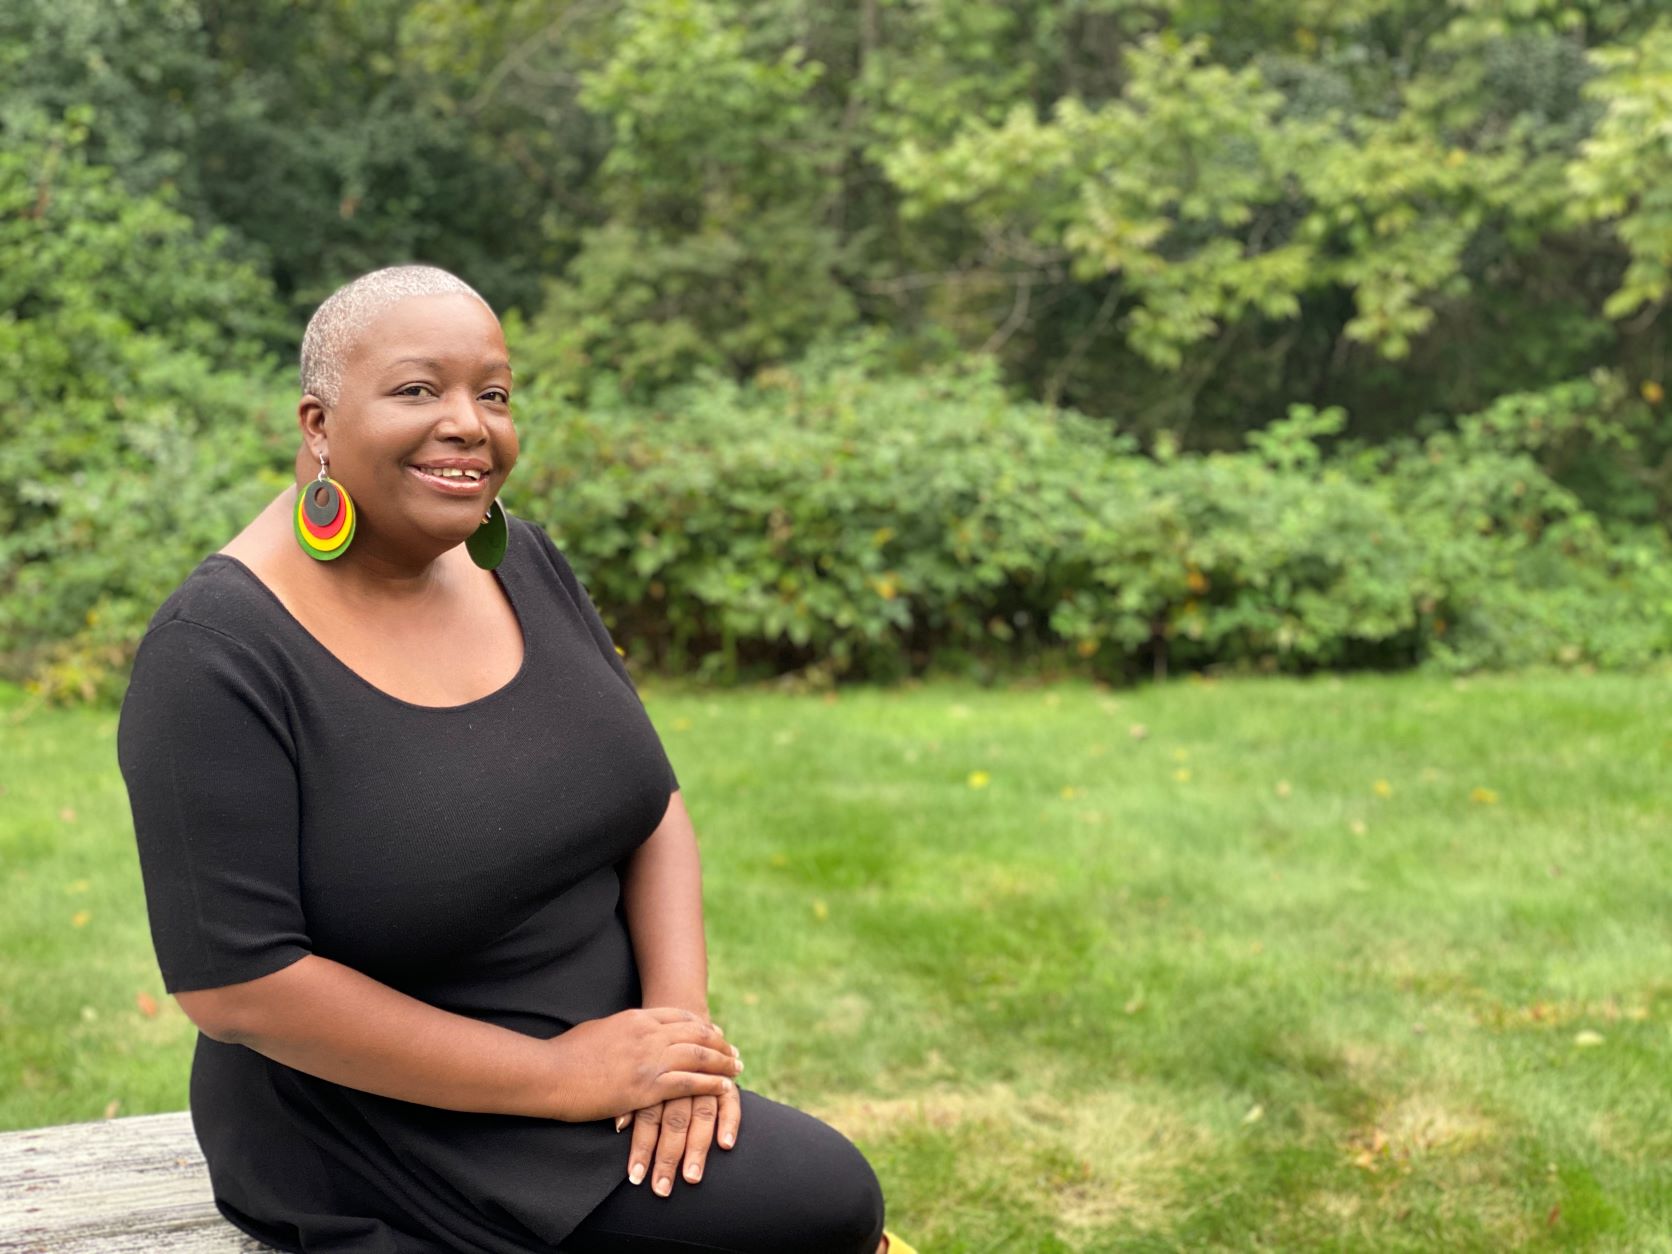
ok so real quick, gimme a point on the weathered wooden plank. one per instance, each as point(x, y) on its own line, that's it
point(111, 1185)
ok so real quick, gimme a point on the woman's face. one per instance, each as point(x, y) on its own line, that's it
point(428, 383)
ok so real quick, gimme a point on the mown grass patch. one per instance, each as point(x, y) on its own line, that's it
point(1376, 962)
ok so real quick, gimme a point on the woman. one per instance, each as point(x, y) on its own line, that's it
point(417, 866)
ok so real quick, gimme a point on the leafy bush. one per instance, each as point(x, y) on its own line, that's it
point(133, 401)
point(840, 521)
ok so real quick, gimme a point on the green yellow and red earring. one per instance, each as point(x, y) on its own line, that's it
point(324, 517)
point(486, 544)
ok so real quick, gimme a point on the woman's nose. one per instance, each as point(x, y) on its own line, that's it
point(465, 417)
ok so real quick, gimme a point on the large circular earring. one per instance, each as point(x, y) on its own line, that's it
point(324, 517)
point(487, 543)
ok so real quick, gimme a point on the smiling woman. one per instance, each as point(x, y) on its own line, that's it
point(415, 361)
point(417, 864)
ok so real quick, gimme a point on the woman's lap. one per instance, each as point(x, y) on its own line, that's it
point(792, 1182)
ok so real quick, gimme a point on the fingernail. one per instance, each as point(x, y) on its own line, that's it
point(739, 1063)
point(693, 1172)
point(726, 1140)
point(620, 1122)
point(636, 1173)
point(719, 1029)
point(664, 1186)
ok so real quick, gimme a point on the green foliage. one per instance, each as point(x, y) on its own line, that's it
point(1624, 171)
point(742, 238)
point(1183, 215)
point(843, 522)
point(330, 138)
point(131, 407)
point(713, 255)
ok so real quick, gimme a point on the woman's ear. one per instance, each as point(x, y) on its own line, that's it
point(310, 416)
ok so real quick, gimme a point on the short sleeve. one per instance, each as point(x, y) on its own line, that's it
point(594, 621)
point(206, 752)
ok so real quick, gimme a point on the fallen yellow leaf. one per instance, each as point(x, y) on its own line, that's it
point(820, 910)
point(979, 779)
point(80, 917)
point(1282, 789)
point(1483, 796)
point(1382, 788)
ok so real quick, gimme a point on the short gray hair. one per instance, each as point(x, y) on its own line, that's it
point(345, 313)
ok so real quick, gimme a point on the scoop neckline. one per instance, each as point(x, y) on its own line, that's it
point(319, 645)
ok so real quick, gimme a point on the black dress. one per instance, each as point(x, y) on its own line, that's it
point(466, 855)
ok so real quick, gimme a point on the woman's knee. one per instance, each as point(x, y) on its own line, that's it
point(838, 1188)
point(859, 1218)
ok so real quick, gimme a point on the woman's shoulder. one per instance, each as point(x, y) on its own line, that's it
point(219, 619)
point(535, 533)
point(544, 552)
point(220, 594)
point(205, 658)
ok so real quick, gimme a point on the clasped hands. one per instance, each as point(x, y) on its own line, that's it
point(670, 1071)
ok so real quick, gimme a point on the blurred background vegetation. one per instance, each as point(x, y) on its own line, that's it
point(1081, 336)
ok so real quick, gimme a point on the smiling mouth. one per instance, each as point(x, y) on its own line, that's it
point(455, 484)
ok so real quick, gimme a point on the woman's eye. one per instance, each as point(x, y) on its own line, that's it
point(408, 388)
point(499, 394)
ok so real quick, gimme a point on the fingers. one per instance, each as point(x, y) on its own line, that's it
point(670, 1144)
point(672, 1084)
point(693, 1032)
point(646, 1123)
point(731, 1116)
point(686, 1025)
point(688, 1057)
point(689, 1025)
point(704, 1113)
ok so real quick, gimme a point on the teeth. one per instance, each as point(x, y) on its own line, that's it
point(451, 472)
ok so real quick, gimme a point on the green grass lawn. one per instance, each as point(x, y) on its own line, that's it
point(1383, 962)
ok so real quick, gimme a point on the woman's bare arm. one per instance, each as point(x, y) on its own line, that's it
point(662, 893)
point(337, 1023)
